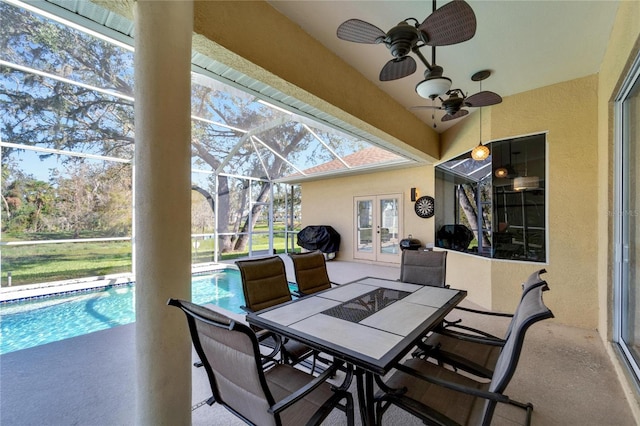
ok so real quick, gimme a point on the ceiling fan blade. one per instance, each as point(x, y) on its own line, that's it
point(484, 98)
point(453, 23)
point(398, 68)
point(359, 31)
point(458, 114)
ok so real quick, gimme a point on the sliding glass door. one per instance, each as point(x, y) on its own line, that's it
point(627, 220)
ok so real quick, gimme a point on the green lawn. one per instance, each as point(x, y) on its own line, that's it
point(39, 263)
point(51, 262)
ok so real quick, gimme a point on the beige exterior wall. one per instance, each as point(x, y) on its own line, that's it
point(568, 113)
point(331, 202)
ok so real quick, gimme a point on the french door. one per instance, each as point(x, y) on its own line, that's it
point(378, 226)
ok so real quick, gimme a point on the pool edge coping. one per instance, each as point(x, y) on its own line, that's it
point(41, 290)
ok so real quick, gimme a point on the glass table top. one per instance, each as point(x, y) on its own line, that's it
point(363, 306)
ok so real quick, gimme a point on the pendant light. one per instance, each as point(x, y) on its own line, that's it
point(501, 172)
point(480, 152)
point(505, 170)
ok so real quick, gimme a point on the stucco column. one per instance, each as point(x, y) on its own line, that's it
point(162, 202)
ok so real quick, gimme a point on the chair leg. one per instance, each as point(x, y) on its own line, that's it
point(528, 407)
point(313, 364)
point(350, 410)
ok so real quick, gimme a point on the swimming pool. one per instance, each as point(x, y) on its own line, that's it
point(36, 322)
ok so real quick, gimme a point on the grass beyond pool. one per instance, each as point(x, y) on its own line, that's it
point(36, 322)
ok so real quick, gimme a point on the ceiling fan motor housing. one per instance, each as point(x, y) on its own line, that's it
point(453, 103)
point(401, 39)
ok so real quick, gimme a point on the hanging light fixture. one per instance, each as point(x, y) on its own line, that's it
point(501, 172)
point(480, 152)
point(523, 183)
point(434, 84)
point(506, 170)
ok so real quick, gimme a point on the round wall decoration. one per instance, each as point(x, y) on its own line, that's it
point(425, 206)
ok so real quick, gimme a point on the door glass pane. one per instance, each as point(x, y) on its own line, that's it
point(389, 241)
point(630, 224)
point(365, 226)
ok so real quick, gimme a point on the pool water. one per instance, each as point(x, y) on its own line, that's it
point(32, 323)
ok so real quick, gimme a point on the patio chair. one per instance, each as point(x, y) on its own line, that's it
point(470, 349)
point(280, 395)
point(264, 284)
point(440, 396)
point(311, 272)
point(424, 267)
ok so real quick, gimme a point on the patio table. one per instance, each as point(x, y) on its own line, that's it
point(370, 323)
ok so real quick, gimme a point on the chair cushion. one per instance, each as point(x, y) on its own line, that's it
point(423, 267)
point(476, 353)
point(296, 350)
point(264, 282)
point(283, 380)
point(311, 272)
point(462, 408)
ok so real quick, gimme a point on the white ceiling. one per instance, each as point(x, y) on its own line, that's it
point(525, 43)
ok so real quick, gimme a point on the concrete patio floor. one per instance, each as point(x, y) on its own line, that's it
point(90, 380)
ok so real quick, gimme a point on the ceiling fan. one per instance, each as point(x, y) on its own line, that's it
point(453, 23)
point(457, 100)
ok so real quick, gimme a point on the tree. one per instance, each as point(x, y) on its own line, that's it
point(27, 200)
point(252, 138)
point(94, 196)
point(467, 193)
point(41, 111)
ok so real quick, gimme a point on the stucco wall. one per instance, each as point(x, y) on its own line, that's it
point(473, 273)
point(567, 112)
point(330, 202)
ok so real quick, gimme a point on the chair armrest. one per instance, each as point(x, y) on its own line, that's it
point(478, 336)
point(453, 386)
point(271, 356)
point(426, 351)
point(476, 311)
point(300, 393)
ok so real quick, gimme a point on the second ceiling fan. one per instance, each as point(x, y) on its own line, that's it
point(457, 100)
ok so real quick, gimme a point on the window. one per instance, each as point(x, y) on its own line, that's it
point(495, 207)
